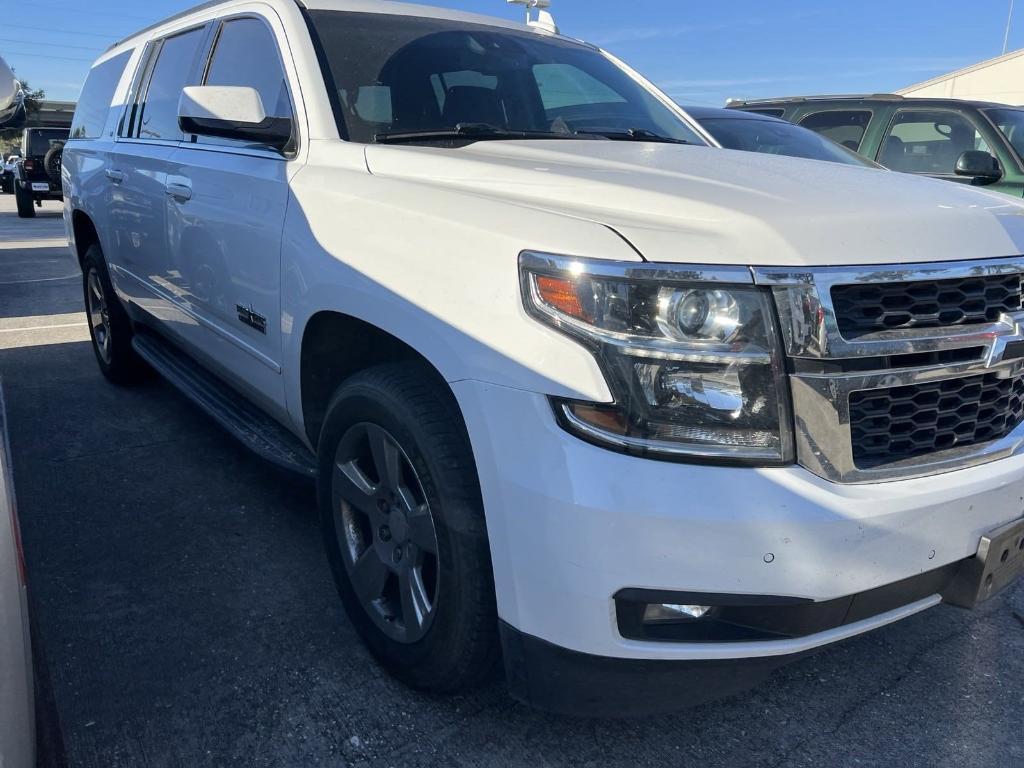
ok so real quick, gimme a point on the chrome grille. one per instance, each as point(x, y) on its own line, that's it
point(871, 307)
point(889, 425)
point(903, 370)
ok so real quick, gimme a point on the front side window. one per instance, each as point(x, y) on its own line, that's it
point(158, 113)
point(94, 103)
point(928, 141)
point(405, 74)
point(246, 54)
point(844, 127)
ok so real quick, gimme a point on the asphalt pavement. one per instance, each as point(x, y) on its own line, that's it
point(187, 616)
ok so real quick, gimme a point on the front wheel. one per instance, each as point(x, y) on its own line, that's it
point(403, 525)
point(23, 199)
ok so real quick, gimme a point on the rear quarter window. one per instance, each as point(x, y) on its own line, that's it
point(97, 94)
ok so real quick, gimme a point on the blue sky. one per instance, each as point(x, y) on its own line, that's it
point(700, 53)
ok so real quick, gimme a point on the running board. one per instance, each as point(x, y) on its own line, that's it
point(257, 431)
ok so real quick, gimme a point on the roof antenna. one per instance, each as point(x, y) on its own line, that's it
point(544, 21)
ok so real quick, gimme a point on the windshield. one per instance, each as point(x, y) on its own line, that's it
point(774, 137)
point(397, 74)
point(1010, 122)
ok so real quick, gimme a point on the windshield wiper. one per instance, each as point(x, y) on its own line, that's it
point(636, 134)
point(470, 131)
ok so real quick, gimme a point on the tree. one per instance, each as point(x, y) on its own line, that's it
point(33, 96)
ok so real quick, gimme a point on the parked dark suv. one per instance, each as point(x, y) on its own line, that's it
point(37, 175)
point(972, 142)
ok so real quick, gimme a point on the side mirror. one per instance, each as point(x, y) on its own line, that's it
point(231, 112)
point(980, 166)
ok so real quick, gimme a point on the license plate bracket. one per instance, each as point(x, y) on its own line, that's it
point(999, 563)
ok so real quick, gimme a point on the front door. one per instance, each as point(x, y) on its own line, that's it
point(226, 203)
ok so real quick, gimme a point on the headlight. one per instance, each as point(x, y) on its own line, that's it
point(692, 360)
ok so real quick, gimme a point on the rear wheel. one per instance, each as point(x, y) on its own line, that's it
point(23, 198)
point(109, 325)
point(404, 528)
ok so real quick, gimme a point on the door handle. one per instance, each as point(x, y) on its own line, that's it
point(115, 176)
point(180, 192)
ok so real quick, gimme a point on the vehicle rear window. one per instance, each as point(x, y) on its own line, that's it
point(97, 93)
point(175, 60)
point(37, 141)
point(774, 137)
point(846, 126)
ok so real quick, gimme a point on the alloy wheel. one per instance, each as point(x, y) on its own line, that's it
point(99, 315)
point(385, 531)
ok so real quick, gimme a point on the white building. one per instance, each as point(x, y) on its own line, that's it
point(1000, 79)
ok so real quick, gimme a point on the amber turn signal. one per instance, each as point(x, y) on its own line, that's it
point(560, 293)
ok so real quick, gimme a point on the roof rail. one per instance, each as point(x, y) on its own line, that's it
point(823, 97)
point(182, 14)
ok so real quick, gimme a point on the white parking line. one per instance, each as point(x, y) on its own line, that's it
point(43, 327)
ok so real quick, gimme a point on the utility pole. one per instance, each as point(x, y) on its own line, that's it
point(1006, 35)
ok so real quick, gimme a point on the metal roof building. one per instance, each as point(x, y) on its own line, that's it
point(1000, 79)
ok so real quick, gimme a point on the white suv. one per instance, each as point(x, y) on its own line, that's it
point(640, 416)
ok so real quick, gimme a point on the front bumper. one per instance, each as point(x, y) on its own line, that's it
point(572, 524)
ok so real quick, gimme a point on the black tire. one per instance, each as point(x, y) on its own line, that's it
point(23, 198)
point(459, 648)
point(109, 326)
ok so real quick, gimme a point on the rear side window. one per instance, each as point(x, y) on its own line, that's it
point(159, 107)
point(246, 54)
point(844, 127)
point(97, 93)
point(769, 112)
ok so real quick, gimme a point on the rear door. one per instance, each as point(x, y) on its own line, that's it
point(87, 154)
point(226, 203)
point(137, 175)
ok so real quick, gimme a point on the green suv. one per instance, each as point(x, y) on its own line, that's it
point(972, 142)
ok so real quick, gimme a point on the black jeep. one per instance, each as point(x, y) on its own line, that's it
point(37, 174)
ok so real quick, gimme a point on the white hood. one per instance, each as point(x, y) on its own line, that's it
point(715, 206)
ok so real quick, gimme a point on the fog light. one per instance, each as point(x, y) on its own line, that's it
point(660, 612)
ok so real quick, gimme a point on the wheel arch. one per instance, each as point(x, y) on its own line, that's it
point(85, 232)
point(334, 347)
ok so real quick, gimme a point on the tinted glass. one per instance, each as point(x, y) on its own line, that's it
point(97, 93)
point(1011, 123)
point(777, 138)
point(37, 141)
point(406, 74)
point(769, 112)
point(844, 127)
point(246, 54)
point(928, 141)
point(159, 113)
